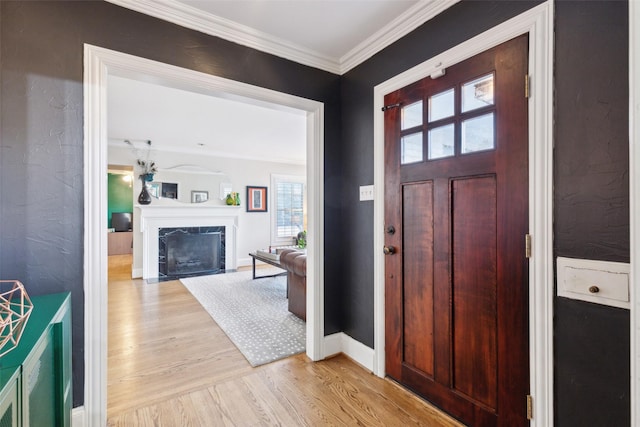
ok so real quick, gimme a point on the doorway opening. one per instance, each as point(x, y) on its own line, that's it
point(99, 64)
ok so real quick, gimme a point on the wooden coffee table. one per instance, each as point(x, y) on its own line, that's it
point(270, 261)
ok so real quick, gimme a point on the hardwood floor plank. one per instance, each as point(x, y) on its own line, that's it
point(169, 364)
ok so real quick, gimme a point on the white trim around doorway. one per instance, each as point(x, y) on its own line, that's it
point(538, 22)
point(99, 63)
point(634, 204)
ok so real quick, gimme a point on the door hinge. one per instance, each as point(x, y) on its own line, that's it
point(527, 245)
point(527, 81)
point(388, 107)
point(529, 407)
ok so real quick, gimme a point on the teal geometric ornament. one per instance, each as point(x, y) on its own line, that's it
point(15, 308)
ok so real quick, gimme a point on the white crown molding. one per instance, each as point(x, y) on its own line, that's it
point(393, 31)
point(195, 19)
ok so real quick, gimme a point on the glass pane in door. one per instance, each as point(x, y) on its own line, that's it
point(441, 105)
point(477, 93)
point(411, 146)
point(411, 115)
point(441, 142)
point(478, 134)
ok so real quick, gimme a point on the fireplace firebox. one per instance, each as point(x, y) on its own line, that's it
point(190, 251)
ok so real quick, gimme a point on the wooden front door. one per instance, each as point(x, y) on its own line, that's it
point(456, 217)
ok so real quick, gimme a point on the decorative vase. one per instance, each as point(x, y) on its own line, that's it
point(230, 201)
point(144, 198)
point(236, 200)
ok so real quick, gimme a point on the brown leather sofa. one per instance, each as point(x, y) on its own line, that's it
point(295, 262)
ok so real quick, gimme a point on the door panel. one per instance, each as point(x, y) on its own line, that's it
point(474, 289)
point(417, 200)
point(456, 194)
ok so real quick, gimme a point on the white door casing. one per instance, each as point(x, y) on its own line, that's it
point(634, 203)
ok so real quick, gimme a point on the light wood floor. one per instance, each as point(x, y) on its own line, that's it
point(169, 364)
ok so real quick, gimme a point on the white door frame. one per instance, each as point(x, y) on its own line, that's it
point(634, 203)
point(99, 63)
point(538, 22)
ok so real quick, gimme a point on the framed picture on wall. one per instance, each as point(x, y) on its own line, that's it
point(256, 199)
point(169, 190)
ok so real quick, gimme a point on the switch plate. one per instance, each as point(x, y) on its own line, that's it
point(578, 278)
point(366, 192)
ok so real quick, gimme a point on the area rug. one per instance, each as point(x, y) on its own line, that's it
point(253, 313)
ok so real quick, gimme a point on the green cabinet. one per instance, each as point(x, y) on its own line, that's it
point(36, 376)
point(9, 406)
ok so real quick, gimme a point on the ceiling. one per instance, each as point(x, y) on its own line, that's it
point(177, 120)
point(333, 35)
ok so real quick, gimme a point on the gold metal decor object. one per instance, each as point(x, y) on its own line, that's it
point(15, 308)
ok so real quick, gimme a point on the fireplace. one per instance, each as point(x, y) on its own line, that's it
point(191, 219)
point(190, 251)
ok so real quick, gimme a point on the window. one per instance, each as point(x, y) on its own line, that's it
point(289, 208)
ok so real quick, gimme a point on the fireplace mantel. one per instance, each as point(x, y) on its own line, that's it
point(174, 215)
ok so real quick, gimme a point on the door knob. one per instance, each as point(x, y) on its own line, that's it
point(389, 250)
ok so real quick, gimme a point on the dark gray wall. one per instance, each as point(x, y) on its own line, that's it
point(591, 206)
point(41, 173)
point(457, 24)
point(591, 185)
point(41, 187)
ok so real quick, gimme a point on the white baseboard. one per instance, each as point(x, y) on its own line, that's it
point(136, 273)
point(333, 344)
point(343, 343)
point(77, 417)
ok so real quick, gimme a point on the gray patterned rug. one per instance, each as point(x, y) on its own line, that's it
point(253, 313)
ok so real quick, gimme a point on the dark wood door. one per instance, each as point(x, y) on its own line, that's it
point(456, 217)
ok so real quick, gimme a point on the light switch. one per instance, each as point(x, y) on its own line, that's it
point(366, 192)
point(601, 282)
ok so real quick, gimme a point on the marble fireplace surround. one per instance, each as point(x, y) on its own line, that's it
point(154, 217)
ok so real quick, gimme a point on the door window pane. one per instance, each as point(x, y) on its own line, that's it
point(412, 115)
point(411, 148)
point(441, 105)
point(441, 142)
point(477, 134)
point(477, 93)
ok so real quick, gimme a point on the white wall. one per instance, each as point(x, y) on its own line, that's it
point(253, 229)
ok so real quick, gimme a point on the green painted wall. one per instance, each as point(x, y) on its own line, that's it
point(120, 195)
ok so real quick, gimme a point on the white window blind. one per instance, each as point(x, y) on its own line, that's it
point(288, 202)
